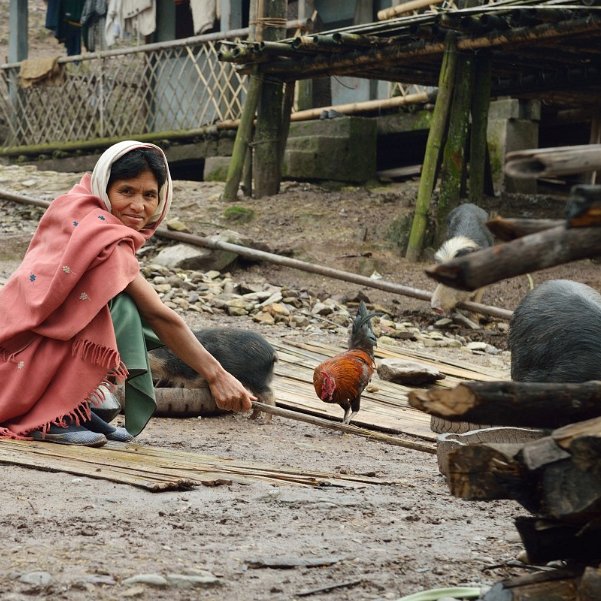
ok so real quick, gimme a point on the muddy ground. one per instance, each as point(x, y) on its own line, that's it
point(70, 537)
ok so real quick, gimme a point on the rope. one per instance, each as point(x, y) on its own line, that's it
point(270, 21)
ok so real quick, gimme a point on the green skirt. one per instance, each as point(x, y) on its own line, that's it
point(134, 340)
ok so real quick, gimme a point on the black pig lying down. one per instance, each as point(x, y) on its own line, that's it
point(246, 355)
point(466, 233)
point(555, 334)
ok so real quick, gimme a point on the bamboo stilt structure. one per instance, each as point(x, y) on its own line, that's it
point(453, 162)
point(478, 144)
point(433, 147)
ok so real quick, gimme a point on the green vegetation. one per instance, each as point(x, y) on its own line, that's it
point(238, 214)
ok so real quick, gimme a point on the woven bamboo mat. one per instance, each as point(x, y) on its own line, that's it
point(384, 404)
point(158, 469)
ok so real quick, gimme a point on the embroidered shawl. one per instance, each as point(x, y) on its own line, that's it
point(57, 341)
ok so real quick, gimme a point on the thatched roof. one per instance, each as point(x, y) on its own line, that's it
point(546, 50)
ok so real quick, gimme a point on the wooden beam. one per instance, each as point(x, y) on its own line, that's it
point(524, 404)
point(268, 131)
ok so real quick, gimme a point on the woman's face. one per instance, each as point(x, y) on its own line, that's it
point(134, 200)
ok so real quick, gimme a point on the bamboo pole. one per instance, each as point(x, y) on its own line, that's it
point(288, 102)
point(453, 162)
point(366, 106)
point(395, 11)
point(325, 423)
point(259, 255)
point(243, 138)
point(245, 133)
point(478, 142)
point(433, 146)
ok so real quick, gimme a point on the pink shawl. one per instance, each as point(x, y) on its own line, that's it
point(57, 342)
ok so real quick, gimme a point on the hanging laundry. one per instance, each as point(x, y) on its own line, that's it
point(93, 22)
point(63, 18)
point(129, 17)
point(204, 14)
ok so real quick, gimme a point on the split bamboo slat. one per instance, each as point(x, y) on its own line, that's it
point(162, 469)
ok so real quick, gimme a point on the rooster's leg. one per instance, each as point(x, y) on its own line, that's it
point(347, 416)
point(350, 417)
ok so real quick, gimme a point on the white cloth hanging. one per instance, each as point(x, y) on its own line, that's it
point(204, 13)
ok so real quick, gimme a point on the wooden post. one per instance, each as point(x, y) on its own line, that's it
point(478, 144)
point(453, 162)
point(433, 146)
point(268, 136)
point(244, 134)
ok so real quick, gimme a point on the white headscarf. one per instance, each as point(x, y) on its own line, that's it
point(102, 173)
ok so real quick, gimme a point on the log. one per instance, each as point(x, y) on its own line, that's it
point(548, 540)
point(553, 162)
point(524, 404)
point(524, 255)
point(507, 229)
point(488, 471)
point(556, 585)
point(433, 148)
point(539, 475)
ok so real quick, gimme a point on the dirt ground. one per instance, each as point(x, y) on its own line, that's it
point(70, 537)
point(78, 538)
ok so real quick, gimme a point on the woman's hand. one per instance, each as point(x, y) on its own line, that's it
point(229, 394)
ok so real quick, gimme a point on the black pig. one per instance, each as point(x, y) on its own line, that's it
point(555, 334)
point(466, 232)
point(246, 355)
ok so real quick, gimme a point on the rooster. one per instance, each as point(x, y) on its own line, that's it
point(343, 378)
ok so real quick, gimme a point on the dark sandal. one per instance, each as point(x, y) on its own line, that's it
point(72, 435)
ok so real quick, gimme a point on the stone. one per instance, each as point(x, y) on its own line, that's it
point(410, 373)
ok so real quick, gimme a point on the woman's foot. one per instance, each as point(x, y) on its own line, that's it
point(72, 434)
point(97, 424)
